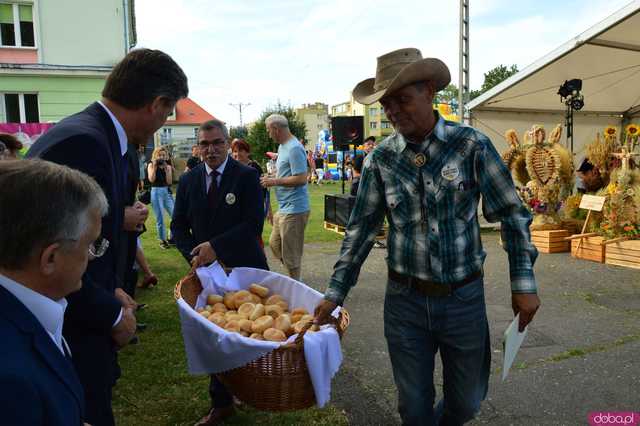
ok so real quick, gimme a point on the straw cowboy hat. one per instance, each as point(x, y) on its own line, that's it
point(397, 69)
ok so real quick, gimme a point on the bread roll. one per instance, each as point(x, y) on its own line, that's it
point(208, 307)
point(283, 323)
point(284, 305)
point(228, 299)
point(241, 297)
point(205, 313)
point(262, 323)
point(274, 310)
point(296, 317)
point(212, 299)
point(258, 311)
point(256, 336)
point(232, 325)
point(259, 290)
point(218, 319)
point(307, 317)
point(246, 325)
point(234, 317)
point(245, 309)
point(244, 333)
point(219, 307)
point(255, 299)
point(301, 311)
point(272, 300)
point(297, 327)
point(274, 335)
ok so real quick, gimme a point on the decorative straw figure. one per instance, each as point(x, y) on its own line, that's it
point(543, 164)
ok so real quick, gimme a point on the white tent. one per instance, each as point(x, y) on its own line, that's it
point(606, 58)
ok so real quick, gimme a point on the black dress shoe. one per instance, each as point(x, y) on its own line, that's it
point(141, 326)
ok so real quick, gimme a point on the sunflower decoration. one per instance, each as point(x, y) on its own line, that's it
point(633, 132)
point(610, 131)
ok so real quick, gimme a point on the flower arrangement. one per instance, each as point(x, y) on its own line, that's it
point(621, 211)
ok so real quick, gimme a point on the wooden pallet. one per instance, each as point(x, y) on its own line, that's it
point(333, 227)
point(591, 248)
point(624, 253)
point(550, 241)
point(339, 229)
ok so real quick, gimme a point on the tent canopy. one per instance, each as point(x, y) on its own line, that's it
point(606, 58)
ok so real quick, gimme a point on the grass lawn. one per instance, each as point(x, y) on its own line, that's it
point(155, 388)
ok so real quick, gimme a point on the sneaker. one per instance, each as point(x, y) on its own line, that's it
point(164, 244)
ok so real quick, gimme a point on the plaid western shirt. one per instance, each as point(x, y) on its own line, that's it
point(432, 211)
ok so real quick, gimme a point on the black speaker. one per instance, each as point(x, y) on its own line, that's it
point(346, 131)
point(337, 208)
point(329, 208)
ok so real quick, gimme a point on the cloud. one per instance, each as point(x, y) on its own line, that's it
point(304, 51)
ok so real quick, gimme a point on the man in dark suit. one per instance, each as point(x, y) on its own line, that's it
point(138, 96)
point(218, 215)
point(43, 254)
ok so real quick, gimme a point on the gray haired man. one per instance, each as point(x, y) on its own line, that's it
point(290, 221)
point(50, 226)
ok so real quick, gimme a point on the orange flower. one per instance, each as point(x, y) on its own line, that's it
point(629, 228)
point(610, 131)
point(605, 226)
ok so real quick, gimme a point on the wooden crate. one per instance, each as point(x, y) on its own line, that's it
point(624, 253)
point(550, 241)
point(339, 229)
point(591, 248)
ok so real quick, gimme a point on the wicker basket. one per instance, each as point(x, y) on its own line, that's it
point(278, 380)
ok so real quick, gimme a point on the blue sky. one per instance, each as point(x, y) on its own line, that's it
point(305, 51)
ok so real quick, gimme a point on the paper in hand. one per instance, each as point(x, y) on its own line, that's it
point(510, 345)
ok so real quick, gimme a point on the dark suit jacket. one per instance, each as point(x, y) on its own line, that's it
point(87, 141)
point(232, 227)
point(38, 385)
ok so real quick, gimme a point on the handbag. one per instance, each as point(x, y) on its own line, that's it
point(145, 196)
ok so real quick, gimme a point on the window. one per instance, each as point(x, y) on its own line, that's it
point(373, 125)
point(19, 108)
point(373, 112)
point(385, 125)
point(16, 25)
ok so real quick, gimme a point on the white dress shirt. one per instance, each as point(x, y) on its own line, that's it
point(122, 135)
point(48, 312)
point(220, 170)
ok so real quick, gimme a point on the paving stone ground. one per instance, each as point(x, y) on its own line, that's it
point(582, 352)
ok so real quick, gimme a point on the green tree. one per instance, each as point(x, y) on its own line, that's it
point(494, 77)
point(258, 137)
point(447, 95)
point(238, 132)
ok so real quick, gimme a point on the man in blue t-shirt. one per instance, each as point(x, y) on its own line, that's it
point(289, 222)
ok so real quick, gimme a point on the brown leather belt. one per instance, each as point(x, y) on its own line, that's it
point(431, 288)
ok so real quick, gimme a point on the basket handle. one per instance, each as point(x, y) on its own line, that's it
point(300, 338)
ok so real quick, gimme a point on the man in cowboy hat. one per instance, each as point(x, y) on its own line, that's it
point(428, 177)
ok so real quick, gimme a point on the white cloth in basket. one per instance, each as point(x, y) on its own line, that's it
point(211, 349)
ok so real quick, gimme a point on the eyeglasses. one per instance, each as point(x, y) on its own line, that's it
point(204, 144)
point(98, 248)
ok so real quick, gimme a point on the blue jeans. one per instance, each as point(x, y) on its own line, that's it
point(160, 198)
point(416, 327)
